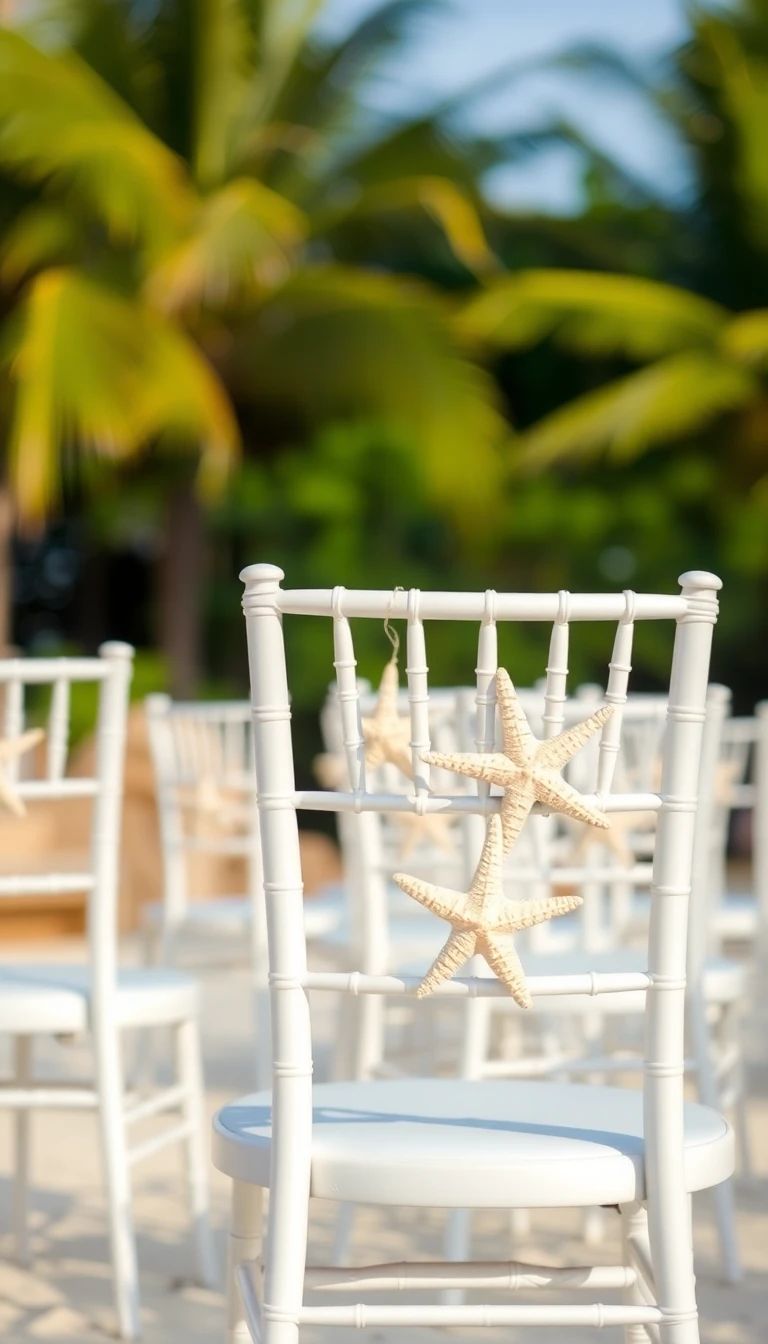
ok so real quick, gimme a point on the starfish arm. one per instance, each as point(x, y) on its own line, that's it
point(374, 747)
point(443, 902)
point(487, 878)
point(553, 792)
point(558, 751)
point(491, 767)
point(524, 914)
point(504, 962)
point(389, 686)
point(457, 951)
point(10, 799)
point(399, 754)
point(515, 807)
point(11, 747)
point(519, 742)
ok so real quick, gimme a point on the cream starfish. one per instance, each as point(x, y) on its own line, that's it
point(330, 770)
point(482, 919)
point(387, 735)
point(528, 770)
point(10, 748)
point(433, 828)
point(207, 799)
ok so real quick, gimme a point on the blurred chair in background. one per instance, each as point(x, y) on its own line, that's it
point(99, 997)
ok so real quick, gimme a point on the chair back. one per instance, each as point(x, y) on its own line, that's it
point(203, 761)
point(98, 877)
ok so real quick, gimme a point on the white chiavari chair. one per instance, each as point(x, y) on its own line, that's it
point(444, 1143)
point(98, 999)
point(567, 1038)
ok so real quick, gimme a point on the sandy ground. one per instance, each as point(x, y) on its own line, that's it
point(67, 1292)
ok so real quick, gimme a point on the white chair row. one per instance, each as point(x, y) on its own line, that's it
point(461, 1144)
point(98, 999)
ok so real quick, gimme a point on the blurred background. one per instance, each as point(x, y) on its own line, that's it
point(451, 293)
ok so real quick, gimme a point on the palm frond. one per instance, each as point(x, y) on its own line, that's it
point(335, 343)
point(43, 234)
point(743, 85)
point(60, 122)
point(451, 208)
point(224, 66)
point(668, 401)
point(99, 373)
point(593, 313)
point(243, 241)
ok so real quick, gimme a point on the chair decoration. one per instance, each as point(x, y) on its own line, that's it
point(10, 749)
point(526, 769)
point(483, 919)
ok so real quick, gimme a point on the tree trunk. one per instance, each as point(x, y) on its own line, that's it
point(6, 569)
point(180, 597)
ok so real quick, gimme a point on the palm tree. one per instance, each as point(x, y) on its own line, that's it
point(187, 177)
point(702, 348)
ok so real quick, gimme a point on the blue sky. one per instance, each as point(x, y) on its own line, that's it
point(459, 41)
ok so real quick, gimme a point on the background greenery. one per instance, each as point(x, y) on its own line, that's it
point(243, 318)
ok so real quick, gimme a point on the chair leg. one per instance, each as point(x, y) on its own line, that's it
point(245, 1241)
point(109, 1083)
point(190, 1075)
point(456, 1246)
point(342, 1233)
point(22, 1073)
point(634, 1229)
point(725, 1212)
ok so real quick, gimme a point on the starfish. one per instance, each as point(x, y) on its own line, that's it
point(330, 770)
point(434, 828)
point(10, 748)
point(528, 770)
point(387, 735)
point(207, 799)
point(482, 919)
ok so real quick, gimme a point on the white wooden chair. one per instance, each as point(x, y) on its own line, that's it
point(471, 1144)
point(98, 998)
point(569, 1038)
point(203, 760)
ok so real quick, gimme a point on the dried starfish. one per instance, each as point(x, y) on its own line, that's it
point(207, 800)
point(433, 828)
point(387, 735)
point(10, 748)
point(528, 770)
point(482, 919)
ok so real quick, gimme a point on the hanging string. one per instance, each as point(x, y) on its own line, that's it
point(392, 634)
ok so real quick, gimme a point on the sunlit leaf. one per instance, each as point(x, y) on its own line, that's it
point(243, 241)
point(746, 338)
point(668, 401)
point(592, 312)
point(96, 372)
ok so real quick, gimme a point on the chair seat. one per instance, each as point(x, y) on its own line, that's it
point(230, 916)
point(450, 1144)
point(57, 999)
